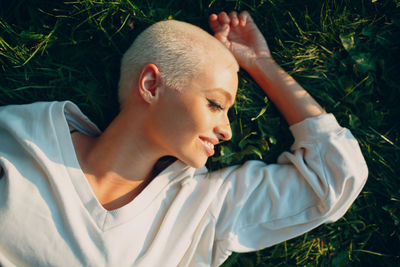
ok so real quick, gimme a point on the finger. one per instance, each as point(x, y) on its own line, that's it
point(222, 35)
point(243, 18)
point(223, 18)
point(213, 17)
point(214, 23)
point(249, 17)
point(234, 19)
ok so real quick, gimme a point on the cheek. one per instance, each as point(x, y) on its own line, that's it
point(191, 120)
point(181, 123)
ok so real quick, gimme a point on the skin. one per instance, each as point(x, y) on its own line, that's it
point(199, 112)
point(160, 121)
point(242, 37)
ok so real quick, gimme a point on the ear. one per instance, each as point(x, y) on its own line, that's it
point(149, 81)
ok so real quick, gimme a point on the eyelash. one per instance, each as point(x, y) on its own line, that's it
point(213, 104)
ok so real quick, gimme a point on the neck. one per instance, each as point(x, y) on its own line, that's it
point(119, 163)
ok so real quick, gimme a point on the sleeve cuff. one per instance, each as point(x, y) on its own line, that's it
point(315, 127)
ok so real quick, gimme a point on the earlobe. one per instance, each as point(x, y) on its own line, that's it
point(148, 82)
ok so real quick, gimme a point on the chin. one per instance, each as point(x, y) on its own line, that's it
point(195, 163)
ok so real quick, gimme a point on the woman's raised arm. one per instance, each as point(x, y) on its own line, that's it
point(243, 38)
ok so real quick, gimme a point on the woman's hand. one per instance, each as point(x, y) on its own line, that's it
point(241, 36)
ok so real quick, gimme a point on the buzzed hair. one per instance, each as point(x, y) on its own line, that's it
point(177, 48)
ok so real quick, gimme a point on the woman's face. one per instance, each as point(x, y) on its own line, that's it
point(192, 120)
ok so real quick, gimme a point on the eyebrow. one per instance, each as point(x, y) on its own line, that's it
point(225, 93)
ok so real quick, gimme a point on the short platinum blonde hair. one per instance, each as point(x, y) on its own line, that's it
point(177, 48)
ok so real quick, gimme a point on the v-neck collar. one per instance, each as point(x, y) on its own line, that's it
point(105, 219)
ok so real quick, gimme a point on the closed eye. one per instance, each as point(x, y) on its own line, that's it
point(214, 105)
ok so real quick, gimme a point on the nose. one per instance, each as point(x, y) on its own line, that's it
point(224, 131)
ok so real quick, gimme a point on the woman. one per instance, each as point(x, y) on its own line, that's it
point(71, 195)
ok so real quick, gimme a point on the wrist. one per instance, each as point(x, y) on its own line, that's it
point(263, 69)
point(260, 64)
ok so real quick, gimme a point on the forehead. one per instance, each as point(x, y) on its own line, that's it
point(220, 72)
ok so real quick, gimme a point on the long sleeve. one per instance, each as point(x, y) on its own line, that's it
point(260, 205)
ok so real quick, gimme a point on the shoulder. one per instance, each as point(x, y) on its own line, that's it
point(30, 124)
point(31, 110)
point(237, 170)
point(27, 117)
point(29, 106)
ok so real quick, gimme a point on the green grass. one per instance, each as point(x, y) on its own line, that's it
point(345, 53)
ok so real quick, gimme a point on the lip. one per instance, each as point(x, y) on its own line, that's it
point(213, 141)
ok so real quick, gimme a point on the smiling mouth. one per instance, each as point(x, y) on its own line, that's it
point(208, 146)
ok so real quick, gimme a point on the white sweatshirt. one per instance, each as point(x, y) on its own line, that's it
point(49, 216)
